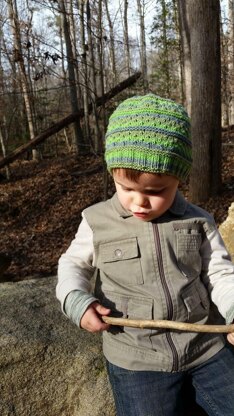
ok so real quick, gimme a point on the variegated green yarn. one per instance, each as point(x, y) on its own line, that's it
point(150, 134)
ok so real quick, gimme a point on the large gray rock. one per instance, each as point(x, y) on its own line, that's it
point(47, 366)
point(227, 231)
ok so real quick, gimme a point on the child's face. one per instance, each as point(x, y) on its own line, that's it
point(149, 197)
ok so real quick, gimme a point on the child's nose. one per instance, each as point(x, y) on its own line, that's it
point(140, 200)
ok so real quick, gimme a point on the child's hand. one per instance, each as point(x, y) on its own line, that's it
point(230, 338)
point(91, 320)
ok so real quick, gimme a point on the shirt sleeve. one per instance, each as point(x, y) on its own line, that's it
point(75, 267)
point(218, 274)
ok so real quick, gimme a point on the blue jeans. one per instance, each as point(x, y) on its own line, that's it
point(153, 393)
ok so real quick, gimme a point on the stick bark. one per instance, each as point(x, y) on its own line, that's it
point(180, 326)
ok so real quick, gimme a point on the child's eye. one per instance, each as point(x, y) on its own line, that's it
point(126, 189)
point(154, 192)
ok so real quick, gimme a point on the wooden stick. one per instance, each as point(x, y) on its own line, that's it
point(180, 326)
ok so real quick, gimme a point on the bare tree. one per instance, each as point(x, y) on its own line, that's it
point(73, 33)
point(79, 142)
point(3, 130)
point(93, 79)
point(24, 80)
point(141, 13)
point(165, 47)
point(126, 39)
point(185, 58)
point(100, 50)
point(112, 46)
point(84, 50)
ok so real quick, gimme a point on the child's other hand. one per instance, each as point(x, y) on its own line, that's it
point(91, 320)
point(230, 338)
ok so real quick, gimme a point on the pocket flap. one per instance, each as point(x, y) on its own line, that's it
point(194, 296)
point(119, 250)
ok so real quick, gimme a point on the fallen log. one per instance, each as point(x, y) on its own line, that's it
point(56, 127)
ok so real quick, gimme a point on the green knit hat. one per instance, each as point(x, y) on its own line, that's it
point(150, 134)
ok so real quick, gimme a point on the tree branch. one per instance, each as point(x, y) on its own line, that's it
point(56, 127)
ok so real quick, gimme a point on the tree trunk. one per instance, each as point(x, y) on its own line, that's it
point(18, 56)
point(100, 53)
point(79, 142)
point(126, 39)
point(3, 130)
point(224, 78)
point(165, 49)
point(3, 146)
point(112, 46)
point(99, 47)
point(206, 98)
point(186, 53)
point(73, 31)
point(85, 84)
point(140, 8)
point(231, 57)
point(93, 89)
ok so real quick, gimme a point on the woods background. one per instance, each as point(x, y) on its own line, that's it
point(65, 65)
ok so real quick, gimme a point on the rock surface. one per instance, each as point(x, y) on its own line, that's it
point(47, 366)
point(227, 231)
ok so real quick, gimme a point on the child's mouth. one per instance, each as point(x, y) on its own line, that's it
point(141, 214)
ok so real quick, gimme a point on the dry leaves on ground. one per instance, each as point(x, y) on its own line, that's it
point(41, 209)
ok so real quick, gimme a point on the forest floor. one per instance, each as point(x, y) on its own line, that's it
point(41, 205)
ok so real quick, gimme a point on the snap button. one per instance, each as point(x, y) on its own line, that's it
point(118, 252)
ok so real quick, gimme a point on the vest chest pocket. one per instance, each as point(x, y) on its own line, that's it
point(188, 243)
point(120, 261)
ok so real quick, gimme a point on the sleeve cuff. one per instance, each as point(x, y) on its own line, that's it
point(76, 304)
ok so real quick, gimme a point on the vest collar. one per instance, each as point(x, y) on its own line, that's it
point(178, 207)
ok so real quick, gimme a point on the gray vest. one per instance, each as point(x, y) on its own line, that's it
point(153, 270)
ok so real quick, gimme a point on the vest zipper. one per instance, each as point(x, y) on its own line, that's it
point(167, 295)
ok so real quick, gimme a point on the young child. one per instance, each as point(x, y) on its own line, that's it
point(156, 256)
